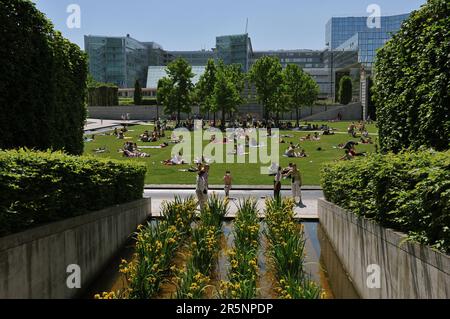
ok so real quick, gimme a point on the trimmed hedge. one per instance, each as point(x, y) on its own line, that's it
point(103, 95)
point(42, 82)
point(42, 187)
point(409, 192)
point(345, 90)
point(412, 82)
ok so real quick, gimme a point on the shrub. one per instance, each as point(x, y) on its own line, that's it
point(42, 82)
point(345, 90)
point(41, 187)
point(137, 93)
point(103, 95)
point(409, 192)
point(412, 82)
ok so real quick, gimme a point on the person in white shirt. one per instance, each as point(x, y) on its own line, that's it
point(296, 184)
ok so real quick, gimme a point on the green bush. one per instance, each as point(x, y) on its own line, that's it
point(409, 192)
point(412, 82)
point(41, 187)
point(42, 82)
point(345, 90)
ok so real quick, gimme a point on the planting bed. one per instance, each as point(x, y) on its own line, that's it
point(195, 255)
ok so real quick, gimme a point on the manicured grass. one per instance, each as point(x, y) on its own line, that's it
point(243, 174)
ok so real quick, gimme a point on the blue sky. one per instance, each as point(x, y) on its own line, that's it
point(194, 24)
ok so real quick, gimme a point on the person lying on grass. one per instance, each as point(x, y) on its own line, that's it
point(130, 150)
point(366, 141)
point(175, 160)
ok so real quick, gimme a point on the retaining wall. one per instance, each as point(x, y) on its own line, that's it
point(149, 113)
point(33, 264)
point(408, 270)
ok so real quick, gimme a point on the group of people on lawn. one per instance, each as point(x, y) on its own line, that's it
point(291, 172)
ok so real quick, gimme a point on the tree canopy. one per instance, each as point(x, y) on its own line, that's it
point(266, 74)
point(175, 90)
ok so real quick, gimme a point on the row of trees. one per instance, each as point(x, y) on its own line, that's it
point(220, 88)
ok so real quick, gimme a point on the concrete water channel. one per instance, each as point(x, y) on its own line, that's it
point(322, 263)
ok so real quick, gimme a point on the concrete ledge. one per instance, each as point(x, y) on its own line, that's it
point(408, 270)
point(33, 263)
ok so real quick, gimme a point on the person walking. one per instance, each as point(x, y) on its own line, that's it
point(228, 180)
point(202, 189)
point(277, 184)
point(296, 184)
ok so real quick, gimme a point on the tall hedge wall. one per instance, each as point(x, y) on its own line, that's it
point(40, 187)
point(409, 192)
point(42, 82)
point(103, 96)
point(412, 82)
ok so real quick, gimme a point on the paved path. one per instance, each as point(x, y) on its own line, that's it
point(309, 199)
point(100, 126)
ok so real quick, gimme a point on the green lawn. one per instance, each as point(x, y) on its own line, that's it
point(243, 174)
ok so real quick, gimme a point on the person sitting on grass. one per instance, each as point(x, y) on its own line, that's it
point(366, 141)
point(365, 134)
point(175, 160)
point(145, 137)
point(316, 137)
point(328, 131)
point(306, 138)
point(121, 135)
point(130, 150)
point(347, 156)
point(302, 154)
point(154, 137)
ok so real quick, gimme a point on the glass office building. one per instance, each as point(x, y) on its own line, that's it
point(156, 73)
point(340, 30)
point(352, 46)
point(157, 55)
point(311, 61)
point(235, 49)
point(117, 60)
point(194, 58)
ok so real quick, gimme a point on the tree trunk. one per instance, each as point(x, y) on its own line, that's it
point(214, 119)
point(179, 117)
point(222, 124)
point(297, 117)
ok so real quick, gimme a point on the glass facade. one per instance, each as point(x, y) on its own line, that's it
point(117, 60)
point(156, 73)
point(235, 49)
point(194, 58)
point(339, 30)
point(310, 61)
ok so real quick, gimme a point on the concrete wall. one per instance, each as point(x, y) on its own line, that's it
point(408, 270)
point(351, 112)
point(33, 263)
point(148, 113)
